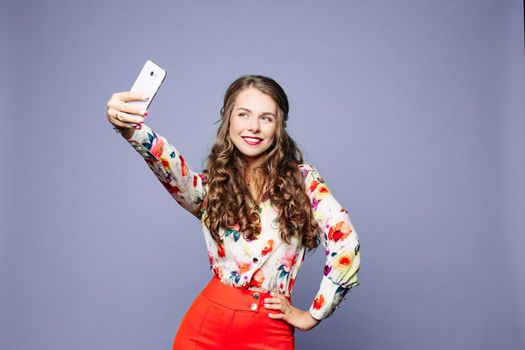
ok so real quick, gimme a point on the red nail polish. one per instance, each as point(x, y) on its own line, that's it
point(138, 126)
point(145, 113)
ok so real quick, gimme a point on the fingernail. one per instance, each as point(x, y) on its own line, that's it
point(146, 97)
point(144, 113)
point(138, 126)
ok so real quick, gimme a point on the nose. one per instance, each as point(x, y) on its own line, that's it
point(253, 124)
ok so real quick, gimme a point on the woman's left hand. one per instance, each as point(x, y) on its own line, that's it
point(298, 318)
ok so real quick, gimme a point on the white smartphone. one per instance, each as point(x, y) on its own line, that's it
point(148, 82)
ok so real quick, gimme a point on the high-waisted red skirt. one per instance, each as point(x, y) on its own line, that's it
point(226, 317)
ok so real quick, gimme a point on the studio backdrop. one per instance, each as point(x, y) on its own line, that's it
point(413, 112)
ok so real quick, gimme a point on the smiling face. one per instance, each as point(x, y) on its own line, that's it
point(253, 124)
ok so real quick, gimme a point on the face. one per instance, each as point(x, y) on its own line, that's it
point(253, 124)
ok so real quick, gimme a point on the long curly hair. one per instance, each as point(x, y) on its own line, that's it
point(229, 201)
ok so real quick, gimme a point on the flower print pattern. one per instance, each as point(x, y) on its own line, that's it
point(340, 231)
point(319, 302)
point(186, 187)
point(266, 263)
point(221, 253)
point(233, 234)
point(287, 262)
point(341, 244)
point(268, 247)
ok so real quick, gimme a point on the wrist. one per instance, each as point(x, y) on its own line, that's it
point(124, 132)
point(312, 317)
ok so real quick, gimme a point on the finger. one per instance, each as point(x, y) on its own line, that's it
point(273, 306)
point(277, 302)
point(127, 118)
point(272, 300)
point(127, 96)
point(276, 316)
point(131, 109)
point(122, 124)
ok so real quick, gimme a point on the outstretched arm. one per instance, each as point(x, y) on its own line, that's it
point(184, 185)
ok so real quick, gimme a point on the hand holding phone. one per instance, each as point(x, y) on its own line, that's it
point(148, 82)
point(125, 109)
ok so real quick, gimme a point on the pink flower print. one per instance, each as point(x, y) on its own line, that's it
point(341, 230)
point(157, 147)
point(287, 261)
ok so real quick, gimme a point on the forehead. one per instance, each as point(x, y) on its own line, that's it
point(255, 100)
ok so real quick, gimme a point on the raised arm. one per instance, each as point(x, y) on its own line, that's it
point(341, 244)
point(184, 185)
point(188, 188)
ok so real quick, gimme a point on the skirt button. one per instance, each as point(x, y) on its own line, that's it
point(256, 295)
point(254, 307)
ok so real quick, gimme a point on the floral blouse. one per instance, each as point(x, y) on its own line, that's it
point(266, 263)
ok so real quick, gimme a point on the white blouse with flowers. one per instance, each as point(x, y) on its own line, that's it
point(266, 263)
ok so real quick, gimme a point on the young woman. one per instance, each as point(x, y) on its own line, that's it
point(260, 208)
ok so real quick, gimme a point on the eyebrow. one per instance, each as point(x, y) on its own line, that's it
point(265, 113)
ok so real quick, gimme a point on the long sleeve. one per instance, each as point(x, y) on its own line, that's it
point(341, 244)
point(184, 185)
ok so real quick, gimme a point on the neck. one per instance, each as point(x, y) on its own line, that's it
point(253, 167)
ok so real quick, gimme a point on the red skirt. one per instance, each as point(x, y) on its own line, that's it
point(226, 317)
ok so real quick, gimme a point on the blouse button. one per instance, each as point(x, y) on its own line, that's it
point(256, 295)
point(254, 307)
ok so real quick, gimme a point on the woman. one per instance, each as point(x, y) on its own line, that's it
point(260, 208)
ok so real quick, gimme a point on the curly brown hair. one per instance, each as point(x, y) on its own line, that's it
point(229, 202)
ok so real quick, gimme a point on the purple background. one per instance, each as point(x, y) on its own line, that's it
point(412, 111)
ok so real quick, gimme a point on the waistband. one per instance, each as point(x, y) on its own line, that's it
point(236, 298)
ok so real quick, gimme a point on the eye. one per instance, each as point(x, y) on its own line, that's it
point(269, 119)
point(242, 114)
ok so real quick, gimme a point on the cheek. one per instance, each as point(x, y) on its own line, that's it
point(231, 130)
point(235, 127)
point(270, 133)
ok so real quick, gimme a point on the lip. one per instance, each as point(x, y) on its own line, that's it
point(251, 143)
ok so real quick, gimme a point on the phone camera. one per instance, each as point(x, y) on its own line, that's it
point(151, 73)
